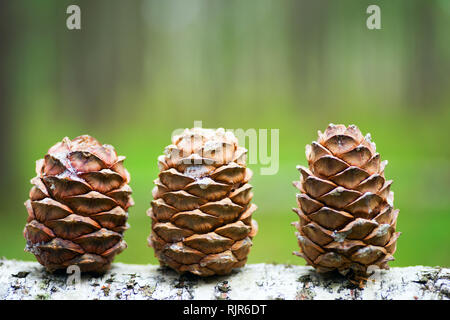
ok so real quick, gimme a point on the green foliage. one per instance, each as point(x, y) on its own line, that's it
point(134, 73)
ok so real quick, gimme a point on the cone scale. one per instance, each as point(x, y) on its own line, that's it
point(77, 207)
point(347, 221)
point(201, 210)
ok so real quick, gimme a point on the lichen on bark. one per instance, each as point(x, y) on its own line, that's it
point(29, 280)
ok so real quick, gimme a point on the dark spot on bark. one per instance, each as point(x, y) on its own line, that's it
point(106, 290)
point(223, 286)
point(21, 274)
point(304, 278)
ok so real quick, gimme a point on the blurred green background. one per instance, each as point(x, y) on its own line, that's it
point(140, 69)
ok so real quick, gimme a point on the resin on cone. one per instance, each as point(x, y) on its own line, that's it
point(77, 211)
point(201, 213)
point(347, 219)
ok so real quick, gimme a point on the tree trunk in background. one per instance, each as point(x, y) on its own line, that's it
point(102, 60)
point(425, 73)
point(6, 29)
point(308, 26)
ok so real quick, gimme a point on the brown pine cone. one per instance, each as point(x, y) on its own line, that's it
point(347, 219)
point(78, 205)
point(201, 213)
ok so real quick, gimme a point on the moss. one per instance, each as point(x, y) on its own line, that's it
point(44, 284)
point(42, 296)
point(106, 290)
point(147, 290)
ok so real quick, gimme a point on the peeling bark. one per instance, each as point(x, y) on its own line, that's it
point(28, 280)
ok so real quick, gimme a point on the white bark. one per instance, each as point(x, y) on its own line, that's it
point(28, 280)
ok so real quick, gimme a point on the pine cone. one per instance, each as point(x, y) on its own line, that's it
point(78, 204)
point(347, 220)
point(201, 212)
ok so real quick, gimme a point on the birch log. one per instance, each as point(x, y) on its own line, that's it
point(29, 280)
